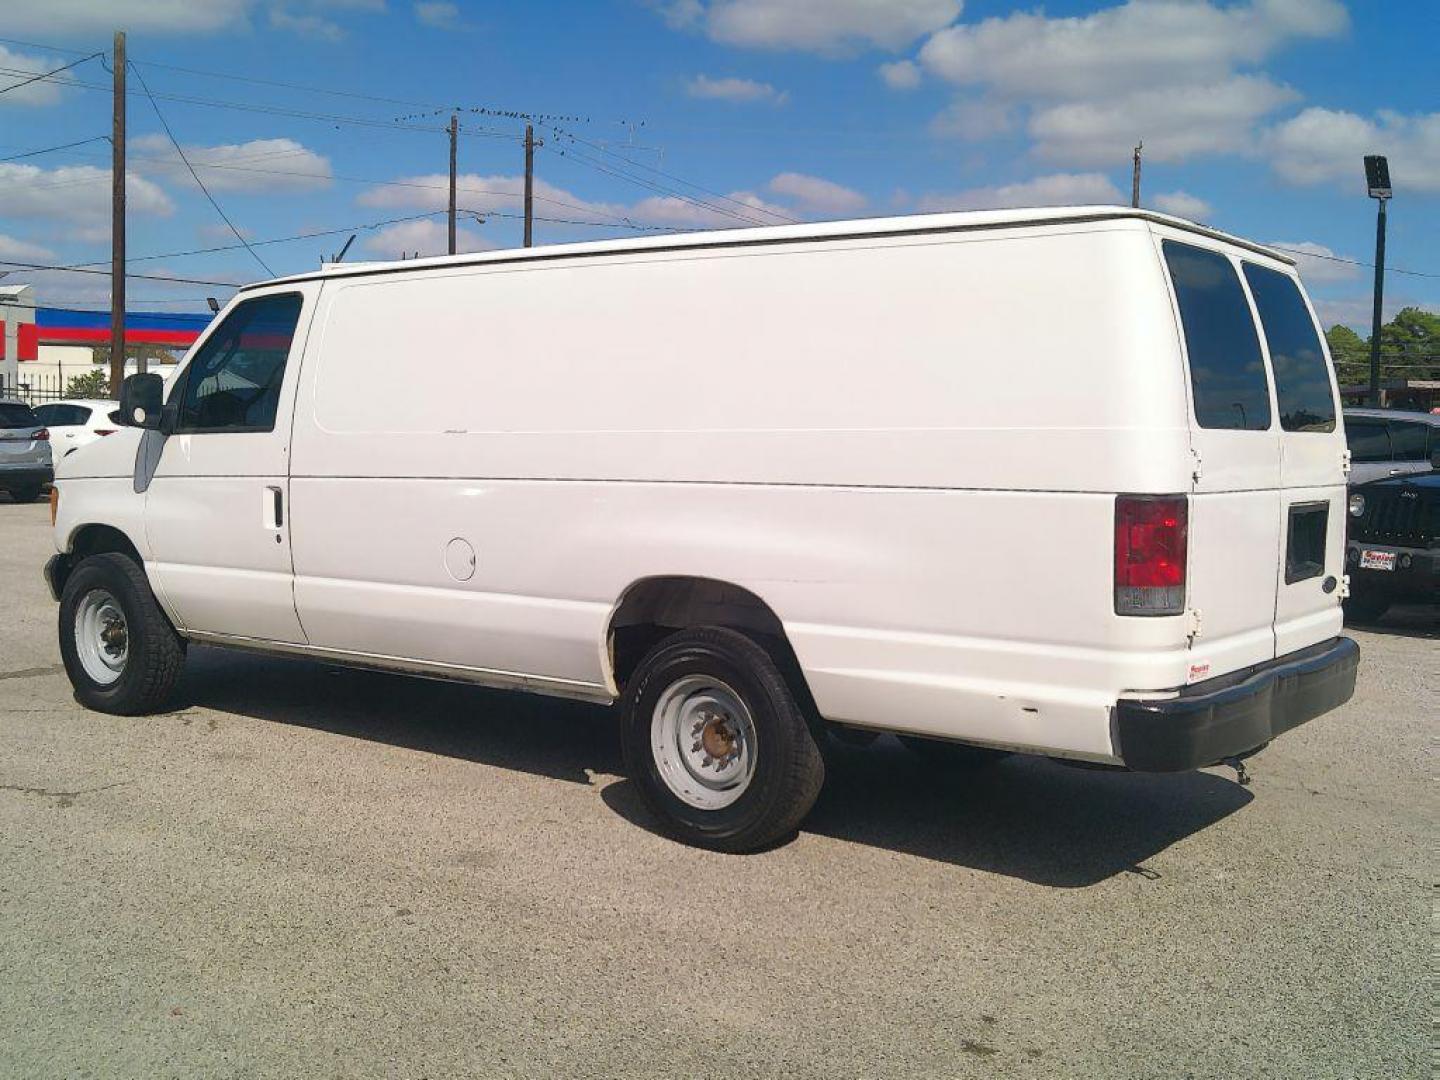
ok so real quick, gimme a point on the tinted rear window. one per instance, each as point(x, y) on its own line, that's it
point(1302, 377)
point(1368, 440)
point(1227, 370)
point(1411, 441)
point(15, 415)
point(62, 415)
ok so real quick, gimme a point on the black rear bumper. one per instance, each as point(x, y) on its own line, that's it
point(1236, 713)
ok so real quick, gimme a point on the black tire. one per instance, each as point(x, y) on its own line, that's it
point(1366, 607)
point(25, 494)
point(155, 652)
point(943, 754)
point(788, 771)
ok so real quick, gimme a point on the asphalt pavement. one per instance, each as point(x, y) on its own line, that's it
point(304, 871)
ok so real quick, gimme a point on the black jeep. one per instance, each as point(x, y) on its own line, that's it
point(1392, 553)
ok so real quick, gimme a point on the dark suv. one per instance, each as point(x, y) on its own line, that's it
point(1392, 553)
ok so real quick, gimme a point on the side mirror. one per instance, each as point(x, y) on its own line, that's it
point(141, 401)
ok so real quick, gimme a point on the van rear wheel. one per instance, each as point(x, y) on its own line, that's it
point(119, 649)
point(714, 738)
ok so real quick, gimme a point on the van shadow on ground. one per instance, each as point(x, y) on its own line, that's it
point(1025, 817)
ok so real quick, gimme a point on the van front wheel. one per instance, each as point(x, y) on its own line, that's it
point(714, 739)
point(121, 653)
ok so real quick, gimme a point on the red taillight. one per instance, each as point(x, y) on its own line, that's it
point(1150, 542)
point(43, 435)
point(105, 431)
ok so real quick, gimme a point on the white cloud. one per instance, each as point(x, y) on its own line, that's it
point(66, 17)
point(733, 89)
point(1183, 204)
point(309, 25)
point(1132, 46)
point(833, 26)
point(428, 237)
point(1356, 311)
point(1325, 146)
point(263, 165)
point(505, 193)
point(437, 13)
point(22, 250)
point(900, 74)
point(816, 196)
point(1058, 189)
point(1173, 72)
point(1175, 121)
point(76, 194)
point(43, 92)
point(1317, 263)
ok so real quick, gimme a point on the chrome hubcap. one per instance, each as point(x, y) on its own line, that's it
point(703, 741)
point(102, 637)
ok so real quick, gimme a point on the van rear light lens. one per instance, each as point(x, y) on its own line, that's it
point(1150, 542)
point(43, 435)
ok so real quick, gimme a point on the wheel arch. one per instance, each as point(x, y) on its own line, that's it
point(652, 608)
point(93, 538)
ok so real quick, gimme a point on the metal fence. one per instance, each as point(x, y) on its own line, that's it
point(38, 388)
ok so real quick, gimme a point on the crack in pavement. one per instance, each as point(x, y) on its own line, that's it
point(62, 799)
point(32, 672)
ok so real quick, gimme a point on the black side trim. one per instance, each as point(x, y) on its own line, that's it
point(1230, 716)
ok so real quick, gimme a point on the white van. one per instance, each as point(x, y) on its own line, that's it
point(1065, 481)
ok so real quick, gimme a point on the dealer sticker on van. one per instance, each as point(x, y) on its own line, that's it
point(1377, 560)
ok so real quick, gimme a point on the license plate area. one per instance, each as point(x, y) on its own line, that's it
point(1305, 541)
point(1377, 560)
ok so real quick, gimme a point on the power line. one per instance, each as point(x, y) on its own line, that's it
point(1351, 262)
point(671, 176)
point(48, 74)
point(53, 149)
point(602, 167)
point(176, 143)
point(106, 273)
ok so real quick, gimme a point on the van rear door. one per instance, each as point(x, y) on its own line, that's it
point(1234, 536)
point(1312, 452)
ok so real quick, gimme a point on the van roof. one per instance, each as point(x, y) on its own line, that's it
point(861, 228)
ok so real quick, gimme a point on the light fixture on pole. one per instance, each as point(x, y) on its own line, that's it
point(1377, 181)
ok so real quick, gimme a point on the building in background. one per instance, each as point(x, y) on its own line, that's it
point(45, 347)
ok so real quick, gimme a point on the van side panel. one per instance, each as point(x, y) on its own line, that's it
point(909, 448)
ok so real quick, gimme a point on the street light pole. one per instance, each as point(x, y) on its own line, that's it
point(1377, 182)
point(1377, 318)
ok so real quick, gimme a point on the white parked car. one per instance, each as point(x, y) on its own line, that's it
point(1390, 442)
point(76, 422)
point(1065, 482)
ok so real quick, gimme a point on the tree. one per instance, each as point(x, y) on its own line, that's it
point(1350, 353)
point(93, 384)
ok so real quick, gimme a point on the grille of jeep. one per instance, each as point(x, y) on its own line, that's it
point(1399, 517)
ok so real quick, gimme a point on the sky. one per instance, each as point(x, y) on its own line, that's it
point(328, 116)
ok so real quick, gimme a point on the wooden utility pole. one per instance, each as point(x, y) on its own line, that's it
point(1135, 177)
point(454, 131)
point(529, 182)
point(117, 224)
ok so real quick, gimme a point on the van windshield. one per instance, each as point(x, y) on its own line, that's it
point(1227, 370)
point(1302, 378)
point(15, 415)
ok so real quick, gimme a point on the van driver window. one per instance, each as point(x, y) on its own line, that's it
point(233, 382)
point(1227, 370)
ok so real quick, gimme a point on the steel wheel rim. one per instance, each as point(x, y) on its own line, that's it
point(102, 636)
point(702, 738)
